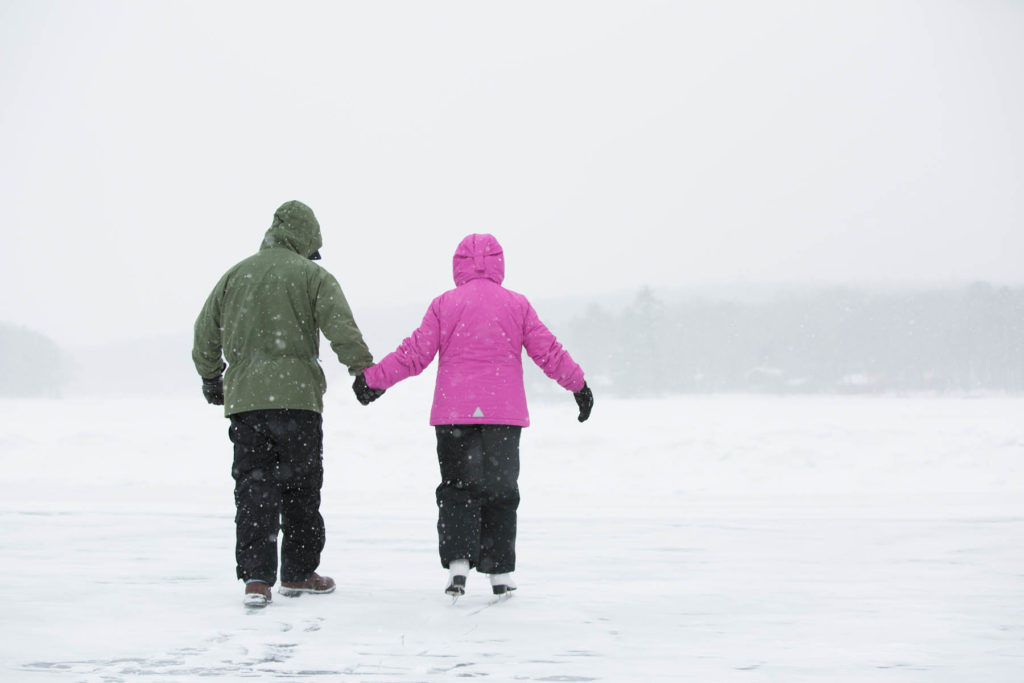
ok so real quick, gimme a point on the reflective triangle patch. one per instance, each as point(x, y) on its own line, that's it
point(478, 413)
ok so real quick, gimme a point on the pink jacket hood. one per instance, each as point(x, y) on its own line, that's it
point(478, 256)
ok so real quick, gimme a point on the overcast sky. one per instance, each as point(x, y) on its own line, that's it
point(145, 145)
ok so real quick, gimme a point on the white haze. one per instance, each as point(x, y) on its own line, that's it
point(607, 145)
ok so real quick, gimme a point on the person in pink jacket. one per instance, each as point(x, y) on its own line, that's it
point(479, 330)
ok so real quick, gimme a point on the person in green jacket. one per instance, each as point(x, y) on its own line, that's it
point(264, 318)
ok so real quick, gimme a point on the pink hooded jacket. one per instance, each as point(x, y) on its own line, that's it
point(480, 329)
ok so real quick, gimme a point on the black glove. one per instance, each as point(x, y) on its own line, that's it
point(585, 400)
point(364, 394)
point(213, 390)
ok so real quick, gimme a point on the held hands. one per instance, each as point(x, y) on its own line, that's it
point(364, 393)
point(585, 400)
point(213, 390)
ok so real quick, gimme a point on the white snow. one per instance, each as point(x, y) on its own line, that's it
point(710, 539)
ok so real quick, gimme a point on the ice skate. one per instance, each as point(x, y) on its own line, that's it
point(456, 586)
point(457, 571)
point(502, 584)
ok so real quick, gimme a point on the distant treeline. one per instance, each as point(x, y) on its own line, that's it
point(827, 340)
point(660, 342)
point(30, 363)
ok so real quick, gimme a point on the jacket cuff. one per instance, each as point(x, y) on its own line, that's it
point(373, 378)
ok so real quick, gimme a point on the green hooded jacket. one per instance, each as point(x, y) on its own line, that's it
point(264, 318)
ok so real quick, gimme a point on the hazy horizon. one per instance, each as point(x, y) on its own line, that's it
point(388, 322)
point(648, 342)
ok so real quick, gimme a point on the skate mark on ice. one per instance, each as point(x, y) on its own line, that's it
point(491, 603)
point(460, 665)
point(903, 667)
point(78, 665)
point(566, 678)
point(115, 670)
point(45, 666)
point(32, 513)
point(218, 656)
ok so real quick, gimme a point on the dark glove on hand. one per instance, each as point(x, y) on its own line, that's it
point(585, 400)
point(213, 390)
point(365, 394)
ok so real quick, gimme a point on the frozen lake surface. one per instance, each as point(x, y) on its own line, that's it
point(712, 539)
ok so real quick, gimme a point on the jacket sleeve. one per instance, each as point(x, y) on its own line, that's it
point(334, 318)
point(206, 341)
point(412, 356)
point(548, 354)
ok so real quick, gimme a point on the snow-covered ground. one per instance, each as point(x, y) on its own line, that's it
point(710, 539)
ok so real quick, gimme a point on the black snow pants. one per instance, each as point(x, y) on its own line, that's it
point(278, 472)
point(478, 496)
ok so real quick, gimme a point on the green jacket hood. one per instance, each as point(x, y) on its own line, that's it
point(295, 228)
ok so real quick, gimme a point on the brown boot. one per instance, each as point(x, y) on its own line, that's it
point(257, 594)
point(314, 584)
